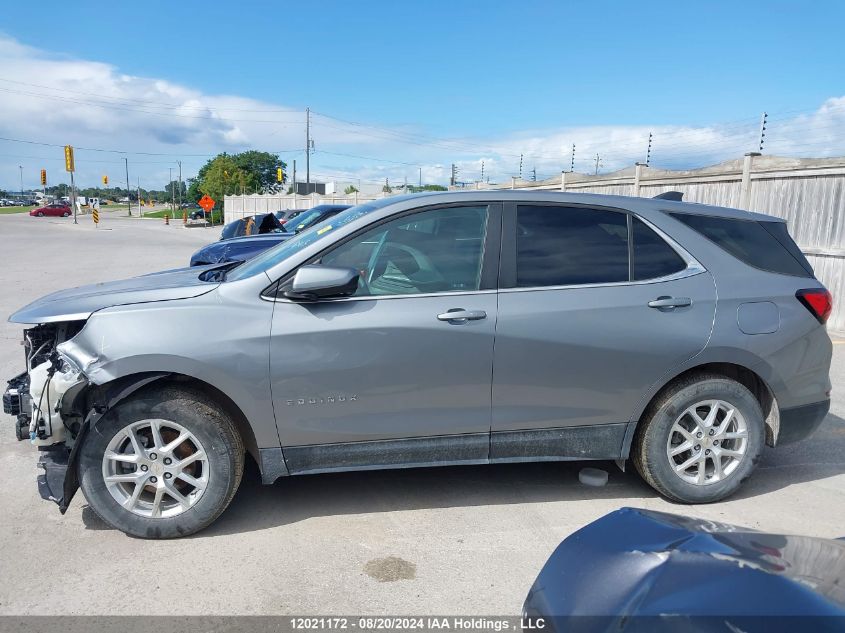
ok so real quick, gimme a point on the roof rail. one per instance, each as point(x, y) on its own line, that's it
point(676, 196)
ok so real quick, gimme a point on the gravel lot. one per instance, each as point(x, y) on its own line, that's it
point(468, 540)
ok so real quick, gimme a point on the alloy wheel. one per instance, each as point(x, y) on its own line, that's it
point(707, 442)
point(155, 468)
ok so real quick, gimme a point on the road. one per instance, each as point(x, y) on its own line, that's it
point(464, 540)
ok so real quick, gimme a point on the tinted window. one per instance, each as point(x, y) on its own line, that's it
point(653, 257)
point(432, 251)
point(558, 246)
point(748, 241)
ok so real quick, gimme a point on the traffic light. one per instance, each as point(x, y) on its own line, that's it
point(43, 177)
point(280, 175)
point(69, 158)
point(106, 181)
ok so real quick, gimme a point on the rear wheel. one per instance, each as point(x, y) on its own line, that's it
point(700, 440)
point(163, 464)
point(66, 214)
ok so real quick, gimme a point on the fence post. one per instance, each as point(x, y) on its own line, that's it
point(745, 187)
point(563, 180)
point(638, 172)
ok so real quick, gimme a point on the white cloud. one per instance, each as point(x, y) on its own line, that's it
point(52, 98)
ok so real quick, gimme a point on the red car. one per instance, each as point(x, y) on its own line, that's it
point(59, 209)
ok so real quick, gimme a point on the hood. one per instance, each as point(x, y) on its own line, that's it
point(77, 304)
point(237, 248)
point(643, 563)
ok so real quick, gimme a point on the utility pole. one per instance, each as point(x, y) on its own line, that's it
point(572, 160)
point(172, 209)
point(482, 171)
point(139, 196)
point(598, 163)
point(648, 152)
point(420, 178)
point(307, 150)
point(294, 176)
point(129, 197)
point(520, 166)
point(20, 167)
point(180, 183)
point(534, 174)
point(763, 121)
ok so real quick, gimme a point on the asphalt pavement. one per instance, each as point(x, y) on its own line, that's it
point(458, 540)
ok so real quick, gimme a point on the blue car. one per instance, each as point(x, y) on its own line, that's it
point(242, 239)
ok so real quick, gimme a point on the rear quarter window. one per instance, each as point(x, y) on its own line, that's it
point(751, 242)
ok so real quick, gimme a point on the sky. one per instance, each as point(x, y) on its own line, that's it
point(404, 89)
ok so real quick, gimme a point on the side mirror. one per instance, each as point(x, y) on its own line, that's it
point(320, 282)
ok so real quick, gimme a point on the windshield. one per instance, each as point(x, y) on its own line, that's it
point(303, 220)
point(303, 239)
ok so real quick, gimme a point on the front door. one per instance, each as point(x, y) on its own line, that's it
point(399, 373)
point(578, 344)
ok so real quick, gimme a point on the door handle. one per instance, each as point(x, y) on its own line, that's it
point(459, 315)
point(670, 302)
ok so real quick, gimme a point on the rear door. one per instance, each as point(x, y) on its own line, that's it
point(594, 307)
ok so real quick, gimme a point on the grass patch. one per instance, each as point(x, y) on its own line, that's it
point(4, 210)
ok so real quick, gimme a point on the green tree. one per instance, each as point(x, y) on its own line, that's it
point(350, 190)
point(251, 171)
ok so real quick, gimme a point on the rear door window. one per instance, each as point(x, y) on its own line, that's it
point(561, 246)
point(750, 242)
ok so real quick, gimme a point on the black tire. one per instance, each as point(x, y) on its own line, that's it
point(40, 214)
point(195, 412)
point(66, 214)
point(650, 443)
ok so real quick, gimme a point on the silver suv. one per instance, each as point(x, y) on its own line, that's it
point(424, 330)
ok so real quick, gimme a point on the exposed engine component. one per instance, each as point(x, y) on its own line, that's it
point(36, 397)
point(16, 402)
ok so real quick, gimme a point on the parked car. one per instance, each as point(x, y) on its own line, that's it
point(439, 328)
point(639, 570)
point(53, 209)
point(239, 239)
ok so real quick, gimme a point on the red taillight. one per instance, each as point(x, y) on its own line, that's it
point(818, 301)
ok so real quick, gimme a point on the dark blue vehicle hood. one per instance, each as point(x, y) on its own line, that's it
point(632, 568)
point(237, 248)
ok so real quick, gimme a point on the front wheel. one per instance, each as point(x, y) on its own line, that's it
point(163, 464)
point(700, 440)
point(40, 214)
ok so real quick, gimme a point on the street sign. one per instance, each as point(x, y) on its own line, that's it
point(69, 158)
point(207, 203)
point(95, 206)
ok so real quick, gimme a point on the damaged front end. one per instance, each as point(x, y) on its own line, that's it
point(44, 400)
